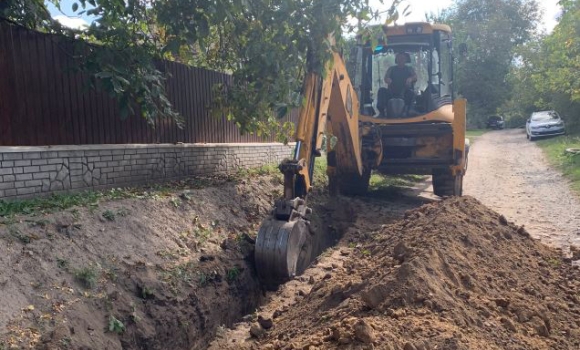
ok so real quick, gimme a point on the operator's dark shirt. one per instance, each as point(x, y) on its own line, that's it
point(399, 76)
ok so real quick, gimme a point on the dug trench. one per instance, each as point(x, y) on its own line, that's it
point(163, 268)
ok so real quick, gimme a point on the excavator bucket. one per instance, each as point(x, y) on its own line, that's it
point(283, 250)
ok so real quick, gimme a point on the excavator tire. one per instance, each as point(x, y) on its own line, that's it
point(445, 184)
point(353, 184)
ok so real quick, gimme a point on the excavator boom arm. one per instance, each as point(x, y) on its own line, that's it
point(330, 110)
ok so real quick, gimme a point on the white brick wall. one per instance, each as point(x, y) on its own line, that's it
point(30, 171)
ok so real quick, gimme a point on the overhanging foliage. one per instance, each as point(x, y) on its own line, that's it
point(266, 45)
point(548, 74)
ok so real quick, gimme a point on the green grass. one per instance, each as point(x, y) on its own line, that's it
point(232, 274)
point(184, 272)
point(14, 232)
point(388, 186)
point(48, 204)
point(379, 181)
point(568, 164)
point(115, 325)
point(319, 176)
point(109, 215)
point(59, 202)
point(267, 169)
point(87, 276)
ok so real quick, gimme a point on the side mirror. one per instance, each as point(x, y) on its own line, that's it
point(527, 121)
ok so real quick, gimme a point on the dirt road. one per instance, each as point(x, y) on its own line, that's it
point(511, 175)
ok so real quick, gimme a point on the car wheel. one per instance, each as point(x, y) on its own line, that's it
point(532, 138)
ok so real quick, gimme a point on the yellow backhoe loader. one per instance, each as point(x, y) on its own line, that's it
point(414, 128)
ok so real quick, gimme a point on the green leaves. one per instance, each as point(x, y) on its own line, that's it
point(549, 74)
point(30, 13)
point(267, 46)
point(493, 30)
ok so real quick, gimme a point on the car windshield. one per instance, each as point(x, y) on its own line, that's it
point(494, 119)
point(545, 117)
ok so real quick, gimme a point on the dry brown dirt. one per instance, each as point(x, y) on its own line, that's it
point(160, 273)
point(449, 275)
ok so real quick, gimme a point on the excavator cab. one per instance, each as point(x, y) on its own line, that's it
point(428, 49)
point(427, 135)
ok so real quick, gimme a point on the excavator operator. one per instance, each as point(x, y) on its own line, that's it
point(400, 79)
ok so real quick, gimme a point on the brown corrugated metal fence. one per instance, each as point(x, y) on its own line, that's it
point(45, 100)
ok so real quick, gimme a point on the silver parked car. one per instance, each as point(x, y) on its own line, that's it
point(544, 123)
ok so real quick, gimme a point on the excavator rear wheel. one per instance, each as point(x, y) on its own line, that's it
point(446, 184)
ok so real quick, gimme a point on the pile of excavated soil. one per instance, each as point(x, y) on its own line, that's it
point(160, 272)
point(450, 275)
